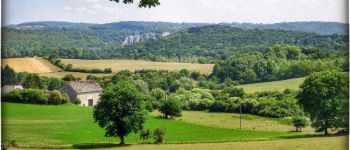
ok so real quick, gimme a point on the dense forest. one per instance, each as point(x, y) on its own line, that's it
point(216, 42)
point(161, 41)
point(323, 28)
point(278, 62)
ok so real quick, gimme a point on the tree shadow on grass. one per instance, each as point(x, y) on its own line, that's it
point(98, 145)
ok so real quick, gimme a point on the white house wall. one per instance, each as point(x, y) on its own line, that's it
point(84, 97)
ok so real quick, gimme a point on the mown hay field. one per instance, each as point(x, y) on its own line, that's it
point(280, 85)
point(30, 64)
point(132, 65)
point(314, 143)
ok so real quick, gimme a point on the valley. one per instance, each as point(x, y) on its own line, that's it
point(199, 85)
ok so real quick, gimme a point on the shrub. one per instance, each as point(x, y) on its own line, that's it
point(65, 98)
point(69, 67)
point(204, 104)
point(145, 135)
point(76, 101)
point(248, 105)
point(70, 77)
point(299, 122)
point(218, 106)
point(57, 98)
point(108, 70)
point(95, 71)
point(14, 96)
point(34, 96)
point(159, 135)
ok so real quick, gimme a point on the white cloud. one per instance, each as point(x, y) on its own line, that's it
point(67, 8)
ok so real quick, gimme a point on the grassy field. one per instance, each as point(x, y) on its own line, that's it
point(273, 85)
point(231, 121)
point(315, 143)
point(67, 125)
point(132, 65)
point(32, 65)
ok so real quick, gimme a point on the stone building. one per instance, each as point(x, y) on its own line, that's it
point(88, 92)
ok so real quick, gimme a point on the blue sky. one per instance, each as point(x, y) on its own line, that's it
point(210, 11)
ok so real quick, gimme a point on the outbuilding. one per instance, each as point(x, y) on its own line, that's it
point(88, 92)
point(10, 88)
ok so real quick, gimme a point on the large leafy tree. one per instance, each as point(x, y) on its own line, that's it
point(120, 110)
point(142, 3)
point(324, 96)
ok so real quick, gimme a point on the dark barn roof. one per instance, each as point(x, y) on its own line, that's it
point(84, 86)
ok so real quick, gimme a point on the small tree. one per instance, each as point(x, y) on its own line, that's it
point(158, 135)
point(170, 108)
point(299, 122)
point(120, 110)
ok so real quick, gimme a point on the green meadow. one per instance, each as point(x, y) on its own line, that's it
point(65, 126)
point(280, 85)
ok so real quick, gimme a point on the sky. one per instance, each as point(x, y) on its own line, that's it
point(208, 11)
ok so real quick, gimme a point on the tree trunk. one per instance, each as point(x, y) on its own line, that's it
point(122, 140)
point(325, 127)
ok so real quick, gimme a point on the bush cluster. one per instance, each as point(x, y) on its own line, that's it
point(69, 67)
point(269, 104)
point(158, 135)
point(35, 96)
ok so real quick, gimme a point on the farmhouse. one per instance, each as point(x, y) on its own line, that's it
point(88, 92)
point(10, 88)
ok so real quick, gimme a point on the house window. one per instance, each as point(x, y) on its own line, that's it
point(90, 102)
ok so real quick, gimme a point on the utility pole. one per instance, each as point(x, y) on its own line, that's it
point(240, 117)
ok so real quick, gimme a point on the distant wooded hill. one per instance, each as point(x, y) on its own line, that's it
point(187, 42)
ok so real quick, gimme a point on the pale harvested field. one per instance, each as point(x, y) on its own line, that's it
point(132, 65)
point(31, 65)
point(315, 143)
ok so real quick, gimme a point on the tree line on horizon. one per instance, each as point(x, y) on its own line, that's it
point(205, 44)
